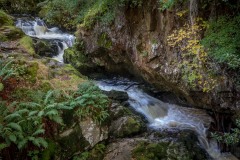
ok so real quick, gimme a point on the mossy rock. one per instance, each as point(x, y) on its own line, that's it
point(97, 153)
point(10, 33)
point(163, 150)
point(78, 59)
point(45, 48)
point(127, 126)
point(27, 43)
point(5, 19)
point(70, 142)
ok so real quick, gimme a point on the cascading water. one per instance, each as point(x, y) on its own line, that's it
point(38, 29)
point(162, 115)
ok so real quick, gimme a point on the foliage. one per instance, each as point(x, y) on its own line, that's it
point(69, 13)
point(20, 6)
point(27, 43)
point(229, 138)
point(194, 66)
point(89, 101)
point(104, 41)
point(5, 19)
point(6, 70)
point(165, 4)
point(23, 123)
point(222, 40)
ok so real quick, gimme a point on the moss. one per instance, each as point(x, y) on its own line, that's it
point(27, 43)
point(32, 72)
point(5, 19)
point(97, 153)
point(147, 151)
point(45, 86)
point(165, 150)
point(130, 126)
point(10, 33)
point(104, 41)
point(72, 143)
point(1, 86)
point(49, 152)
point(77, 58)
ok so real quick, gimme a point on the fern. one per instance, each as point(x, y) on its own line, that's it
point(5, 70)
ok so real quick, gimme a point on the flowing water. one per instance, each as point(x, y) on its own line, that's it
point(160, 115)
point(38, 29)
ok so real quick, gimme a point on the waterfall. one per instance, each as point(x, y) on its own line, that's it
point(38, 29)
point(162, 115)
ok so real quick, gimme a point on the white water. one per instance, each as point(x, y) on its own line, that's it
point(162, 115)
point(37, 28)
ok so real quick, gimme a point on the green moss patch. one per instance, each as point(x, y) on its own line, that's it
point(27, 43)
point(10, 33)
point(5, 19)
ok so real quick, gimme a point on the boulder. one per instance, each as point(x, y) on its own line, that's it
point(46, 48)
point(119, 96)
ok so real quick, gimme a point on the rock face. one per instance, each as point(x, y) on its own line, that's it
point(92, 132)
point(157, 146)
point(46, 48)
point(137, 42)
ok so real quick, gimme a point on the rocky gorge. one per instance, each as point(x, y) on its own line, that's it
point(141, 42)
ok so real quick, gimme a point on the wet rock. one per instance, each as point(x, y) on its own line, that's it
point(120, 150)
point(92, 132)
point(71, 141)
point(157, 145)
point(46, 48)
point(124, 123)
point(126, 126)
point(119, 96)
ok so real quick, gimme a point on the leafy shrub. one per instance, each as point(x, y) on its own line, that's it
point(23, 123)
point(89, 100)
point(222, 40)
point(194, 65)
point(166, 4)
point(69, 13)
point(229, 138)
point(6, 71)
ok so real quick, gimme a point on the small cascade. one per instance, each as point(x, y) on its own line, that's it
point(38, 29)
point(162, 115)
point(61, 49)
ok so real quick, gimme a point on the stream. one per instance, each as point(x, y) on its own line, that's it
point(159, 115)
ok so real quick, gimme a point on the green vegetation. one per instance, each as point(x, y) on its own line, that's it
point(27, 43)
point(229, 138)
point(69, 13)
point(30, 120)
point(104, 41)
point(195, 69)
point(20, 6)
point(5, 19)
point(97, 153)
point(6, 71)
point(162, 150)
point(222, 40)
point(165, 4)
